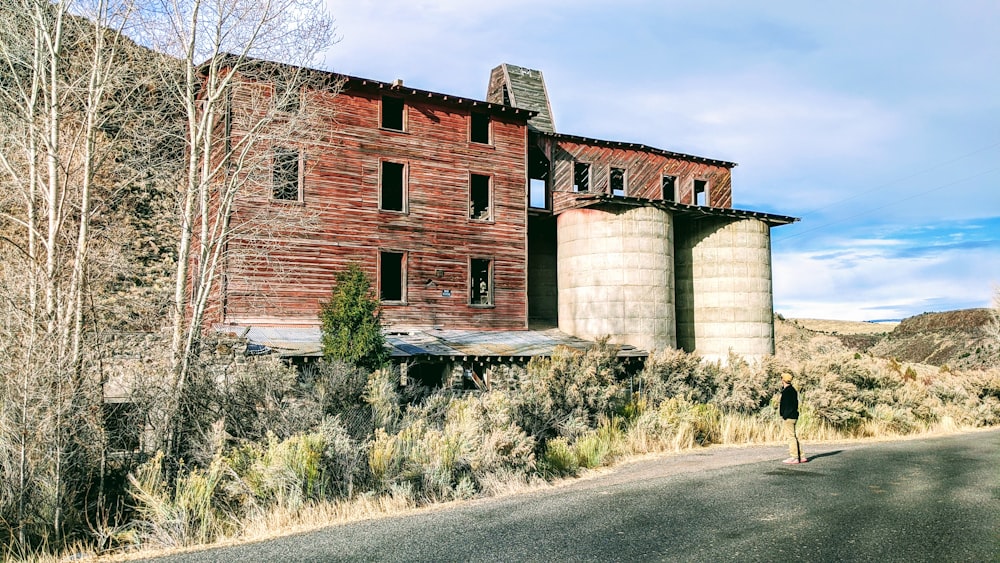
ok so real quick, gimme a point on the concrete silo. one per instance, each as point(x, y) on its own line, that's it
point(724, 299)
point(615, 275)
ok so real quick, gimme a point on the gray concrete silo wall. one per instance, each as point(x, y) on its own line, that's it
point(615, 276)
point(724, 301)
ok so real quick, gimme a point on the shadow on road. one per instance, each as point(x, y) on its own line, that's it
point(824, 454)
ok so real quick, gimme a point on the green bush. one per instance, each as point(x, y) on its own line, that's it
point(600, 446)
point(351, 322)
point(559, 459)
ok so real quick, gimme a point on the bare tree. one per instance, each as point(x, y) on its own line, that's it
point(242, 65)
point(85, 121)
point(73, 98)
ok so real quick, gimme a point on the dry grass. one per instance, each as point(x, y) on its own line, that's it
point(449, 448)
point(844, 327)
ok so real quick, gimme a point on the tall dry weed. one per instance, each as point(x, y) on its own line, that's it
point(192, 510)
point(450, 446)
point(569, 391)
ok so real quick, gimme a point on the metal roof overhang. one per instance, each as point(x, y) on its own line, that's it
point(430, 344)
point(687, 211)
point(265, 69)
point(634, 146)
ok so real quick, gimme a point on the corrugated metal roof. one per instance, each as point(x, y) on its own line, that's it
point(682, 209)
point(430, 343)
point(637, 147)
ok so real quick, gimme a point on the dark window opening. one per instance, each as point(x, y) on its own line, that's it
point(391, 276)
point(481, 279)
point(285, 175)
point(617, 181)
point(288, 99)
point(581, 177)
point(122, 426)
point(393, 186)
point(392, 113)
point(480, 128)
point(479, 197)
point(506, 96)
point(669, 185)
point(700, 192)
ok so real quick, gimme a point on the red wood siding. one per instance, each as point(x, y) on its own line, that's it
point(297, 248)
point(644, 172)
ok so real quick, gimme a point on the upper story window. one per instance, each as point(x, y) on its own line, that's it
point(480, 196)
point(581, 177)
point(287, 99)
point(669, 184)
point(479, 127)
point(616, 181)
point(393, 113)
point(392, 186)
point(700, 195)
point(538, 179)
point(286, 175)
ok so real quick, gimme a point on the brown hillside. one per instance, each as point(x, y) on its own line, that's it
point(957, 339)
point(965, 320)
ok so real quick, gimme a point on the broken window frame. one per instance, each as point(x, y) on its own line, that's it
point(477, 211)
point(286, 174)
point(481, 286)
point(621, 191)
point(699, 187)
point(395, 258)
point(671, 181)
point(392, 111)
point(539, 186)
point(582, 181)
point(539, 174)
point(480, 133)
point(403, 188)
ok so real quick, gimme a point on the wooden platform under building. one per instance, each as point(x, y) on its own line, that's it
point(498, 345)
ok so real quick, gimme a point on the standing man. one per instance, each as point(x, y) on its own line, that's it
point(789, 411)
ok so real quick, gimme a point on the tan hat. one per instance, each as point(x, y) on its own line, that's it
point(786, 377)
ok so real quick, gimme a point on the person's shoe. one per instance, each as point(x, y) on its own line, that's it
point(791, 461)
point(803, 459)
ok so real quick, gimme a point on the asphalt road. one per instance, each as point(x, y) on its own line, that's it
point(916, 500)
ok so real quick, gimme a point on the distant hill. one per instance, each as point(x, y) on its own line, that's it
point(957, 339)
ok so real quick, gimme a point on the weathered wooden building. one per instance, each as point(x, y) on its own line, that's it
point(491, 235)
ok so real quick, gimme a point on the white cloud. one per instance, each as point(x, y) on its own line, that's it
point(762, 119)
point(869, 282)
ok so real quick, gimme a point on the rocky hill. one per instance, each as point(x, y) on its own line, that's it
point(958, 339)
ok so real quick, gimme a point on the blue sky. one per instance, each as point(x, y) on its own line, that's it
point(877, 123)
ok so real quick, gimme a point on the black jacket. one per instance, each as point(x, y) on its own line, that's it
point(789, 402)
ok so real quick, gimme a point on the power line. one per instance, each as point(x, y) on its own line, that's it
point(901, 179)
point(890, 204)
